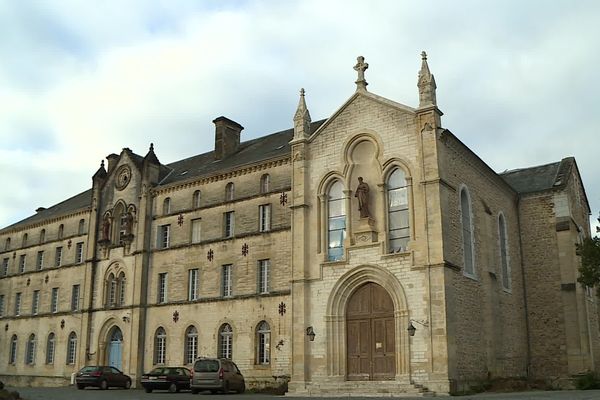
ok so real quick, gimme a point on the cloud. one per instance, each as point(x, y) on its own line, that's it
point(80, 81)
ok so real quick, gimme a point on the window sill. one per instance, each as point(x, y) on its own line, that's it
point(471, 276)
point(398, 254)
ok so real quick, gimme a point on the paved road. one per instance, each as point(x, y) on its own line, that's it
point(71, 393)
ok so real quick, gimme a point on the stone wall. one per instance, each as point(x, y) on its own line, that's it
point(44, 236)
point(486, 320)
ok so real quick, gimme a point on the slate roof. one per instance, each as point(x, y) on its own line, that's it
point(272, 146)
point(264, 148)
point(78, 202)
point(538, 178)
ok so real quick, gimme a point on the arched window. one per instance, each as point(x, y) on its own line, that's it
point(24, 242)
point(61, 231)
point(398, 222)
point(502, 236)
point(42, 236)
point(196, 199)
point(225, 341)
point(467, 232)
point(166, 206)
point(160, 346)
point(265, 181)
point(336, 222)
point(7, 244)
point(263, 343)
point(50, 348)
point(111, 290)
point(191, 345)
point(30, 350)
point(121, 288)
point(12, 356)
point(229, 191)
point(81, 228)
point(71, 348)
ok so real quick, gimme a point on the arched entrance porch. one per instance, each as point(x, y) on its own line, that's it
point(383, 332)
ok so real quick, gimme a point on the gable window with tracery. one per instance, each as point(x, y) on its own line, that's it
point(398, 211)
point(336, 221)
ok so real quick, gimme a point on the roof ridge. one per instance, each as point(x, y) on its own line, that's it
point(511, 171)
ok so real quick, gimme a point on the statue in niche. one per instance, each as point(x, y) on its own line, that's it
point(362, 194)
point(106, 228)
point(128, 223)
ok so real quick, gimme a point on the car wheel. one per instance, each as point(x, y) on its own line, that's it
point(148, 390)
point(213, 391)
point(242, 388)
point(195, 391)
point(103, 385)
point(80, 386)
point(127, 384)
point(172, 388)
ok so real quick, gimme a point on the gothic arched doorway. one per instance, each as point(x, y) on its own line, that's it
point(115, 348)
point(370, 331)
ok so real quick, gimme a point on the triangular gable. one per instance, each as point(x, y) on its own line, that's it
point(368, 95)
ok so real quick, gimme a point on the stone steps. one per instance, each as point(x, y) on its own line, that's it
point(363, 389)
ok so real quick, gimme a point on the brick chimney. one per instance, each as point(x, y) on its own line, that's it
point(227, 137)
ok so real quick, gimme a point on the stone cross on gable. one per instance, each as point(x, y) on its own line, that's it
point(360, 67)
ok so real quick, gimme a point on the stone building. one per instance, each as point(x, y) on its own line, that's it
point(370, 252)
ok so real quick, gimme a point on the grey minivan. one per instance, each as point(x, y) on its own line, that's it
point(216, 375)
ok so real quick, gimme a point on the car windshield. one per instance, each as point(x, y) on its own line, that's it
point(88, 369)
point(206, 366)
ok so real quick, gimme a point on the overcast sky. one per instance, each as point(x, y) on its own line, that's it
point(517, 80)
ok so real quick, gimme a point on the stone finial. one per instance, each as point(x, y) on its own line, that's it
point(151, 156)
point(302, 118)
point(360, 67)
point(426, 84)
point(101, 172)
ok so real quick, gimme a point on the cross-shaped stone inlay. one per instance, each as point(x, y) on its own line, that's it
point(360, 67)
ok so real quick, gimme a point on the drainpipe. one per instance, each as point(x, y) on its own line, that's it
point(524, 284)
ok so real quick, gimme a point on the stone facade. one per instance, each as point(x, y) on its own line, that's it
point(256, 251)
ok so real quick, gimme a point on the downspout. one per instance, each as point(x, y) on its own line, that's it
point(94, 266)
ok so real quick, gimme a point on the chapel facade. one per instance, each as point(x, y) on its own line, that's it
point(370, 252)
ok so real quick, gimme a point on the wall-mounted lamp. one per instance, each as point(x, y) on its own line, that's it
point(411, 328)
point(310, 332)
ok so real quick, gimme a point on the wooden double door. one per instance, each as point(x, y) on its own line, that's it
point(370, 330)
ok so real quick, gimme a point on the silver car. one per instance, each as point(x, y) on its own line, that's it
point(216, 375)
